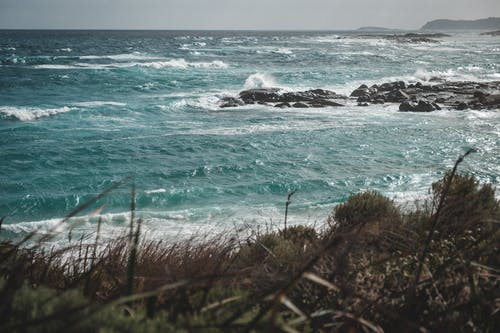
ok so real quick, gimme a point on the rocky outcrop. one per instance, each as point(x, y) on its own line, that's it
point(421, 97)
point(434, 94)
point(418, 106)
point(316, 98)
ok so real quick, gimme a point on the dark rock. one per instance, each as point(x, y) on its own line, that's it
point(479, 94)
point(397, 96)
point(385, 87)
point(231, 102)
point(321, 92)
point(407, 106)
point(378, 101)
point(300, 105)
point(491, 100)
point(420, 106)
point(425, 106)
point(364, 98)
point(283, 105)
point(462, 106)
point(264, 95)
point(362, 90)
point(320, 103)
point(307, 96)
point(436, 79)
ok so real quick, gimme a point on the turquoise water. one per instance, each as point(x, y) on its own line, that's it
point(80, 110)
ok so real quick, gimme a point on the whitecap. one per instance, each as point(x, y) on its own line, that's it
point(66, 49)
point(182, 63)
point(31, 113)
point(160, 190)
point(99, 103)
point(282, 50)
point(173, 63)
point(124, 56)
point(260, 80)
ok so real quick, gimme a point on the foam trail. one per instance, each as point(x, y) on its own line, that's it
point(173, 63)
point(99, 103)
point(31, 113)
point(124, 56)
point(182, 63)
point(160, 190)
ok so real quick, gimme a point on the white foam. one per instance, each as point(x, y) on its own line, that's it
point(31, 113)
point(66, 49)
point(203, 102)
point(124, 56)
point(200, 223)
point(75, 66)
point(99, 103)
point(260, 80)
point(282, 50)
point(182, 63)
point(160, 190)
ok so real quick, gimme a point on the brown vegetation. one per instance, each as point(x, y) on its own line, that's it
point(375, 268)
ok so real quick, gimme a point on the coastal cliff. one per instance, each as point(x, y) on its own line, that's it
point(490, 23)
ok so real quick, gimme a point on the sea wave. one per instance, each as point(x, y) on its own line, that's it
point(182, 63)
point(159, 190)
point(31, 113)
point(260, 80)
point(99, 103)
point(189, 224)
point(172, 63)
point(123, 56)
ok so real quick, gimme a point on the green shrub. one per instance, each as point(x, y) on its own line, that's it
point(467, 203)
point(364, 208)
point(300, 234)
point(274, 247)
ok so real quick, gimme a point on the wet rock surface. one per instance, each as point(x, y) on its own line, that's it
point(316, 98)
point(435, 94)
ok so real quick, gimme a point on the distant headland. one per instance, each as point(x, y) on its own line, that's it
point(491, 23)
point(376, 29)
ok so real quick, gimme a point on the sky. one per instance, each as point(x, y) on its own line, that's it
point(236, 14)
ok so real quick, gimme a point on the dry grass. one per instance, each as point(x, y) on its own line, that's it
point(375, 269)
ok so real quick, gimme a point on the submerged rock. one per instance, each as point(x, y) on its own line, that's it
point(230, 102)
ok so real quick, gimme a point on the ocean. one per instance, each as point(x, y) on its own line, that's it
point(81, 110)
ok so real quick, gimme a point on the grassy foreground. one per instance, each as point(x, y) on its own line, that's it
point(372, 268)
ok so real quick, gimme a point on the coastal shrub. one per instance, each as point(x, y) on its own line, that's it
point(275, 248)
point(300, 234)
point(363, 208)
point(467, 203)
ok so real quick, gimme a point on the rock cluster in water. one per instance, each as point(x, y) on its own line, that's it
point(274, 96)
point(416, 97)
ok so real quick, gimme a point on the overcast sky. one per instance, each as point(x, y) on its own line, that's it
point(236, 14)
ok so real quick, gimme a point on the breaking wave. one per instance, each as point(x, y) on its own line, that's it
point(260, 80)
point(31, 113)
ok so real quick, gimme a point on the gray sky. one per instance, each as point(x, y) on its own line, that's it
point(236, 14)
